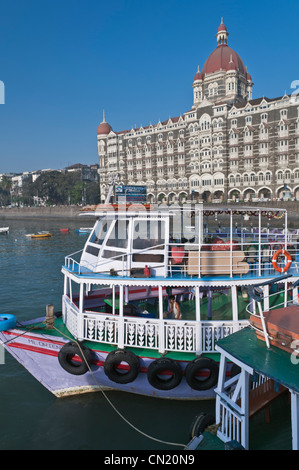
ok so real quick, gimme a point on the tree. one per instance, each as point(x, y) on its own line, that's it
point(5, 187)
point(58, 187)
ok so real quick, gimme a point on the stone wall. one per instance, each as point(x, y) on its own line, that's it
point(40, 212)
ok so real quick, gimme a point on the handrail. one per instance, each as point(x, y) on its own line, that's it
point(114, 258)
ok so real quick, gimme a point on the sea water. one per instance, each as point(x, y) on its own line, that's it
point(34, 419)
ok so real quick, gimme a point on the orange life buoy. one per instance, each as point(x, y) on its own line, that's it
point(288, 264)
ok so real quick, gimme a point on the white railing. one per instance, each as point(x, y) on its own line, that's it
point(70, 315)
point(231, 419)
point(231, 257)
point(230, 425)
point(160, 335)
point(211, 332)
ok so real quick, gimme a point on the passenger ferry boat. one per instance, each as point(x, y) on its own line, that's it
point(150, 294)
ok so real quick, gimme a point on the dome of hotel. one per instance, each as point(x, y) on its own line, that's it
point(223, 58)
point(104, 128)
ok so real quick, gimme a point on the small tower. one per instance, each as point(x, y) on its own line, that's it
point(222, 34)
point(197, 88)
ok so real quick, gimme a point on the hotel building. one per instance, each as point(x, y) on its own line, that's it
point(227, 147)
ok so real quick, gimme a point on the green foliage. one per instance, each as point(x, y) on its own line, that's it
point(5, 186)
point(61, 188)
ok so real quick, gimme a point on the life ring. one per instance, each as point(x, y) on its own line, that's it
point(121, 374)
point(202, 373)
point(74, 359)
point(288, 264)
point(164, 374)
point(7, 322)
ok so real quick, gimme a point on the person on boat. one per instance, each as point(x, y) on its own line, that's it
point(174, 309)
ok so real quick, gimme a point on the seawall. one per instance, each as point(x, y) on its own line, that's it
point(59, 212)
point(73, 212)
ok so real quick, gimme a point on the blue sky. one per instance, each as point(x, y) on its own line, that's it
point(63, 62)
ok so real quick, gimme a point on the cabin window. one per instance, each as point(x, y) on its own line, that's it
point(118, 237)
point(100, 231)
point(149, 234)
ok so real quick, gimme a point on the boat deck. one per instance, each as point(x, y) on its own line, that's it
point(176, 276)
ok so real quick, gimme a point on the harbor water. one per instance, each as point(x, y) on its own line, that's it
point(34, 419)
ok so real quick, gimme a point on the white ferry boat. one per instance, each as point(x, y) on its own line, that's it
point(150, 294)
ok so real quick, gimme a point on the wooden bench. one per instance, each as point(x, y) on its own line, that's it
point(217, 263)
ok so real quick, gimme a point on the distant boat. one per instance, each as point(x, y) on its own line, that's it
point(64, 230)
point(4, 230)
point(84, 230)
point(41, 235)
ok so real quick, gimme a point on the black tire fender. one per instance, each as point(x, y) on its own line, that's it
point(199, 424)
point(160, 367)
point(118, 375)
point(66, 358)
point(198, 365)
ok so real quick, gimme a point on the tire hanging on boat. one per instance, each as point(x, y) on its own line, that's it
point(164, 374)
point(207, 368)
point(74, 359)
point(121, 374)
point(199, 424)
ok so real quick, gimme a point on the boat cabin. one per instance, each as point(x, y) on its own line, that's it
point(191, 242)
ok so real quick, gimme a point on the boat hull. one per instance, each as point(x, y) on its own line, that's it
point(38, 353)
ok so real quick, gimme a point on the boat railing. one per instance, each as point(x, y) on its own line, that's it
point(124, 258)
point(287, 301)
point(233, 257)
point(231, 414)
point(70, 263)
point(163, 335)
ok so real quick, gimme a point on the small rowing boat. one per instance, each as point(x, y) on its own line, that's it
point(64, 230)
point(84, 230)
point(41, 235)
point(4, 230)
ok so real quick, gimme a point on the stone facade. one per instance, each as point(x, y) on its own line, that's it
point(227, 147)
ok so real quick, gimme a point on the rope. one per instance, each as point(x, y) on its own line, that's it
point(33, 327)
point(113, 406)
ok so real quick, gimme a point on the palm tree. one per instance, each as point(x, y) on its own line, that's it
point(5, 183)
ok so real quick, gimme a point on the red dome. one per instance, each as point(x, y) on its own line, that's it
point(222, 27)
point(104, 128)
point(198, 76)
point(221, 58)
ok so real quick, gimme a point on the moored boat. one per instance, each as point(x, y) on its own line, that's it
point(84, 229)
point(151, 293)
point(4, 230)
point(41, 235)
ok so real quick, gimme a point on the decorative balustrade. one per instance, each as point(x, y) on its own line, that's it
point(163, 335)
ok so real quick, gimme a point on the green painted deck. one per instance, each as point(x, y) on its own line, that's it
point(273, 362)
